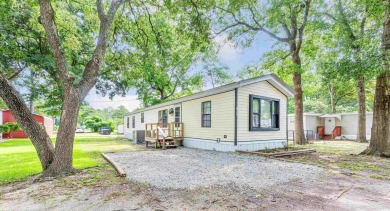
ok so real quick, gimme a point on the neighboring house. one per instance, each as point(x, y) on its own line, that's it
point(47, 122)
point(341, 125)
point(246, 115)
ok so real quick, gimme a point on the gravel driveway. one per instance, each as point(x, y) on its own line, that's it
point(185, 168)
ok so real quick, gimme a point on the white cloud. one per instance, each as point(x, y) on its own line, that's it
point(228, 50)
point(99, 102)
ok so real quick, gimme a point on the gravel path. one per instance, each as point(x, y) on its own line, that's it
point(185, 168)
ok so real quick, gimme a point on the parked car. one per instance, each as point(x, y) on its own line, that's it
point(105, 131)
point(79, 130)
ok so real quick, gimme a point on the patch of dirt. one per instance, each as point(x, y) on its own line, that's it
point(99, 189)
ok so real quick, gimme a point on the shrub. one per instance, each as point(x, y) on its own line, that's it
point(13, 127)
point(4, 129)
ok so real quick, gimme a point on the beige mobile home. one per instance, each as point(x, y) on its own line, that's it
point(246, 115)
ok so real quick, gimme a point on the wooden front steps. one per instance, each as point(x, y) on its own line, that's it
point(160, 136)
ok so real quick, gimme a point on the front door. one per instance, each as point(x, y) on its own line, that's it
point(330, 123)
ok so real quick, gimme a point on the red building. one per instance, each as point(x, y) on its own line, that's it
point(47, 122)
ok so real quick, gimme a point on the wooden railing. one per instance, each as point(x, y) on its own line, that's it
point(336, 132)
point(156, 131)
point(321, 131)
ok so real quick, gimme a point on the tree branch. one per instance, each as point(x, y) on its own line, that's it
point(280, 59)
point(16, 73)
point(253, 28)
point(331, 17)
point(302, 28)
point(91, 71)
point(48, 22)
point(345, 22)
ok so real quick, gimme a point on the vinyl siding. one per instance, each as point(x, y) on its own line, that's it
point(222, 117)
point(349, 124)
point(150, 116)
point(7, 117)
point(311, 123)
point(261, 89)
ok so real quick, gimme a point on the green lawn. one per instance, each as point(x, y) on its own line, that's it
point(335, 147)
point(19, 160)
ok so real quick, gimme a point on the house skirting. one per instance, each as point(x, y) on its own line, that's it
point(230, 147)
point(128, 136)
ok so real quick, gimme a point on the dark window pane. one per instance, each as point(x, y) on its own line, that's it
point(255, 105)
point(264, 113)
point(255, 120)
point(163, 117)
point(206, 114)
point(177, 114)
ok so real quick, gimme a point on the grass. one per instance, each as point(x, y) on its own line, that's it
point(19, 160)
point(335, 147)
point(345, 155)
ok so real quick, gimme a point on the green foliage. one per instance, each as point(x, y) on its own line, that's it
point(94, 119)
point(99, 125)
point(4, 129)
point(216, 74)
point(93, 123)
point(13, 126)
point(158, 52)
point(2, 104)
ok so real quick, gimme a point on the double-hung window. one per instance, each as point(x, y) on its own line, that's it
point(163, 117)
point(177, 114)
point(142, 117)
point(133, 122)
point(264, 113)
point(206, 114)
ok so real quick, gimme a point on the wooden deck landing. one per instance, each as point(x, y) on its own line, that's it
point(160, 136)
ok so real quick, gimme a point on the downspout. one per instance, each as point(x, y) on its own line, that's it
point(235, 115)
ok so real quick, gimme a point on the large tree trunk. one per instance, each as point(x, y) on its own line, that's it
point(297, 79)
point(35, 131)
point(361, 136)
point(331, 94)
point(63, 162)
point(380, 132)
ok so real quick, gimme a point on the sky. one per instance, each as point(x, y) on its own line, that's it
point(235, 58)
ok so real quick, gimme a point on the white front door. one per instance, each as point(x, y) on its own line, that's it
point(330, 123)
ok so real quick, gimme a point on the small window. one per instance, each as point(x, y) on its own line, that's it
point(206, 114)
point(128, 122)
point(163, 117)
point(177, 114)
point(264, 113)
point(133, 122)
point(142, 117)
